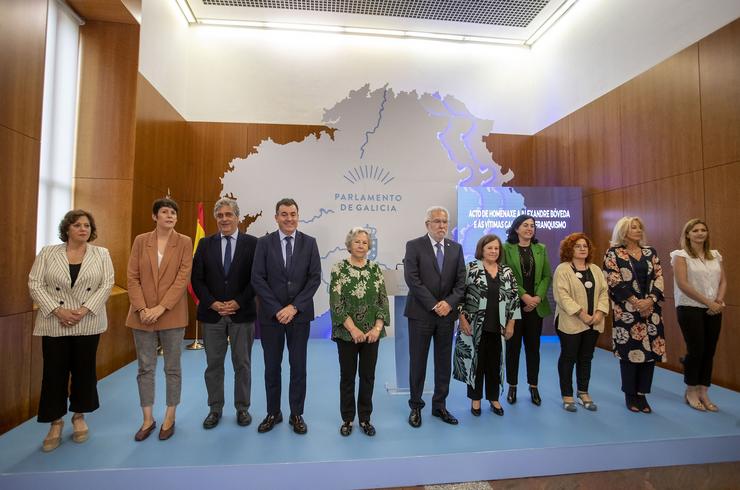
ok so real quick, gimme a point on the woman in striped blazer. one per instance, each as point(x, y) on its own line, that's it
point(70, 283)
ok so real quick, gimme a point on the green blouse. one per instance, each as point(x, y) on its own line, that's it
point(358, 293)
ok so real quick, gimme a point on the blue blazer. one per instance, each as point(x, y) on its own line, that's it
point(277, 287)
point(211, 284)
point(427, 284)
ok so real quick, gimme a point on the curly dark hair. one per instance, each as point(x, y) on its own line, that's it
point(71, 218)
point(511, 234)
point(485, 240)
point(566, 247)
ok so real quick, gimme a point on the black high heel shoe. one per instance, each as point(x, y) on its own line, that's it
point(475, 411)
point(511, 396)
point(498, 411)
point(534, 392)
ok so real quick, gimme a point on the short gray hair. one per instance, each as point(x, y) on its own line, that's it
point(353, 233)
point(226, 201)
point(436, 208)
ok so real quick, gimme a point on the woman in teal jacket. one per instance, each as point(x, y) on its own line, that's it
point(528, 259)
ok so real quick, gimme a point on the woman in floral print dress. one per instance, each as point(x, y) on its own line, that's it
point(359, 313)
point(635, 279)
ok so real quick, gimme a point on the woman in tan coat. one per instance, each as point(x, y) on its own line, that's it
point(582, 298)
point(158, 275)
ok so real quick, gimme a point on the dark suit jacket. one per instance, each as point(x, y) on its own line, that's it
point(427, 285)
point(210, 284)
point(277, 287)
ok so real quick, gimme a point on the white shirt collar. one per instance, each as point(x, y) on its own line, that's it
point(434, 242)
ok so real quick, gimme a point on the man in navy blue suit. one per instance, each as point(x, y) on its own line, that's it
point(222, 268)
point(285, 276)
point(434, 269)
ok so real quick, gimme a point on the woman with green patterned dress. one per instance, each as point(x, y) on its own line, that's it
point(359, 313)
point(488, 311)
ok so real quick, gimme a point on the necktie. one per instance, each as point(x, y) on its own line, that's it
point(288, 251)
point(227, 255)
point(440, 256)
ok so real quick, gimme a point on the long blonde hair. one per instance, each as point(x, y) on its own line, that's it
point(685, 244)
point(621, 229)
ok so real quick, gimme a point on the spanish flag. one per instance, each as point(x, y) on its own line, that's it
point(200, 232)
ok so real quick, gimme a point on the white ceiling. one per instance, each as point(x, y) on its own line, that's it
point(516, 20)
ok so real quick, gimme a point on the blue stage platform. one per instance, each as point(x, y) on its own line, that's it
point(527, 441)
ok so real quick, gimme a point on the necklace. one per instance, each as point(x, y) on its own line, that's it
point(585, 276)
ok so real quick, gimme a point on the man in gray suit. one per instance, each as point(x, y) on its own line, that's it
point(434, 269)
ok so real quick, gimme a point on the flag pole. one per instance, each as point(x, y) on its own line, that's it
point(200, 226)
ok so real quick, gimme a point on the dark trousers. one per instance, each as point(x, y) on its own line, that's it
point(576, 350)
point(637, 377)
point(216, 339)
point(701, 333)
point(66, 357)
point(529, 329)
point(488, 368)
point(421, 334)
point(349, 354)
point(274, 337)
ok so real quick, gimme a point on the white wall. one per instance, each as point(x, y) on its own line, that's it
point(247, 75)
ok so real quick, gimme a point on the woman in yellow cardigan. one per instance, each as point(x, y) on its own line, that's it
point(582, 298)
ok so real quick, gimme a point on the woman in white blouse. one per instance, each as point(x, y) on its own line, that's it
point(700, 284)
point(70, 283)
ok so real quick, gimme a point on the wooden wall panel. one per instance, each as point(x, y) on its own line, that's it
point(116, 348)
point(23, 41)
point(600, 212)
point(726, 360)
point(553, 154)
point(596, 145)
point(15, 351)
point(719, 68)
point(107, 109)
point(660, 120)
point(515, 152)
point(20, 157)
point(723, 216)
point(110, 11)
point(108, 200)
point(665, 205)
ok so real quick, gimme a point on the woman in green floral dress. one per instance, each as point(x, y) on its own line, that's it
point(359, 314)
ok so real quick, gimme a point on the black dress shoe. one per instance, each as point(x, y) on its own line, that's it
point(446, 416)
point(475, 411)
point(299, 425)
point(269, 422)
point(498, 411)
point(415, 418)
point(534, 392)
point(367, 428)
point(211, 420)
point(346, 428)
point(511, 396)
point(243, 418)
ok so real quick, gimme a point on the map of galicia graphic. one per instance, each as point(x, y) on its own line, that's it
point(392, 156)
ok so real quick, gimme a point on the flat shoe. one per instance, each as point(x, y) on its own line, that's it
point(269, 422)
point(588, 405)
point(711, 407)
point(142, 434)
point(346, 428)
point(165, 434)
point(570, 406)
point(367, 428)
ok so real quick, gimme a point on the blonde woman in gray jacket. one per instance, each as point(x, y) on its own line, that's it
point(582, 298)
point(70, 283)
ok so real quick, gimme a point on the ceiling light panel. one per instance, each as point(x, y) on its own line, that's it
point(507, 13)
